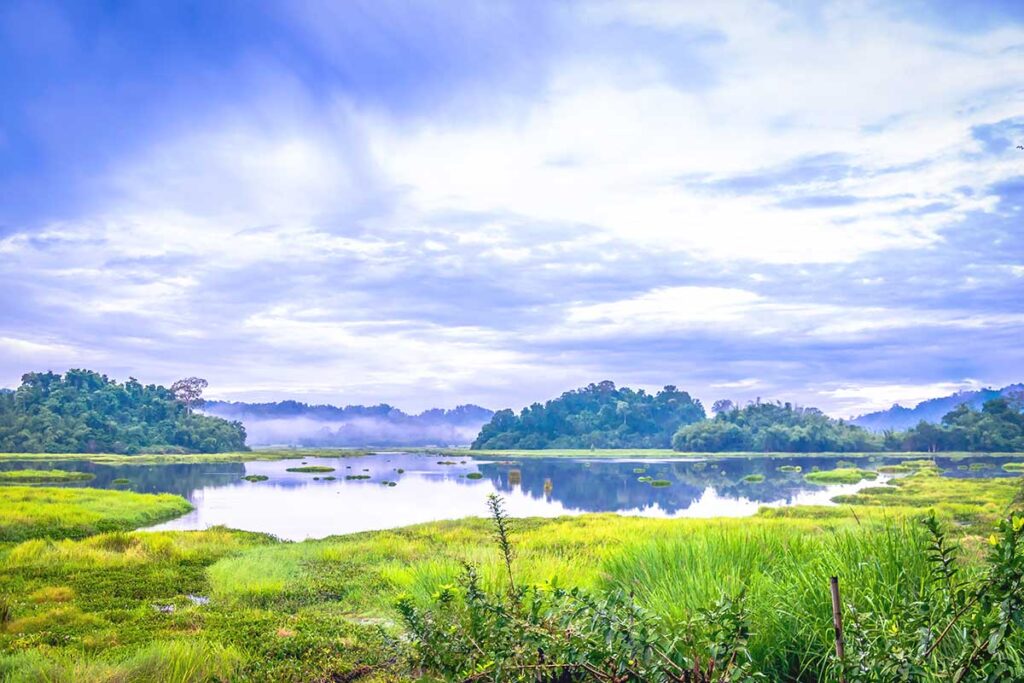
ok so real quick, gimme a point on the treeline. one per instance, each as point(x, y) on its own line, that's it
point(86, 412)
point(998, 426)
point(774, 427)
point(596, 416)
point(603, 416)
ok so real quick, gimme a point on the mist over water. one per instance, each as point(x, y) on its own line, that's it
point(290, 423)
point(304, 431)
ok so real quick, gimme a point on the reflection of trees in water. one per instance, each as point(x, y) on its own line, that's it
point(607, 486)
point(179, 478)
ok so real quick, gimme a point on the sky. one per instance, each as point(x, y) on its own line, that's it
point(430, 204)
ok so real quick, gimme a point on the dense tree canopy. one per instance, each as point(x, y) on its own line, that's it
point(773, 427)
point(85, 412)
point(598, 415)
point(998, 426)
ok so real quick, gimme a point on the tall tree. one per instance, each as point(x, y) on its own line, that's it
point(190, 391)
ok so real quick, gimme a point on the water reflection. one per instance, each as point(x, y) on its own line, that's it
point(295, 505)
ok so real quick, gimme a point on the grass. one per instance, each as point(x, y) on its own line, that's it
point(88, 609)
point(841, 475)
point(310, 468)
point(33, 512)
point(43, 476)
point(169, 458)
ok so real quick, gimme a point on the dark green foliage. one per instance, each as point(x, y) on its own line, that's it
point(85, 412)
point(957, 629)
point(596, 416)
point(774, 427)
point(548, 634)
point(998, 426)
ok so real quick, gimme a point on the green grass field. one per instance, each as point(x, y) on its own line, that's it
point(117, 606)
point(34, 512)
point(166, 458)
point(43, 476)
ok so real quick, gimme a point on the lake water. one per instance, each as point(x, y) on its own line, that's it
point(296, 506)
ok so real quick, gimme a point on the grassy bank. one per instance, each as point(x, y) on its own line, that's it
point(43, 476)
point(669, 453)
point(34, 512)
point(117, 606)
point(168, 458)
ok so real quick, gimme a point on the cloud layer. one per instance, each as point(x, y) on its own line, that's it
point(437, 204)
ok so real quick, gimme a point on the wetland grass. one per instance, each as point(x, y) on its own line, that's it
point(35, 512)
point(43, 476)
point(843, 475)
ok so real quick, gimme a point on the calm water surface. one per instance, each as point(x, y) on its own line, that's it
point(296, 506)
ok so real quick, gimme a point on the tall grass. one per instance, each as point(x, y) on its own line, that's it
point(783, 574)
point(172, 661)
point(34, 512)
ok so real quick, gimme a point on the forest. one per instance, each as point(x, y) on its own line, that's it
point(596, 416)
point(85, 412)
point(773, 427)
point(604, 416)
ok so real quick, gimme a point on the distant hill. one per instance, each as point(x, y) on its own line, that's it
point(598, 415)
point(301, 424)
point(932, 410)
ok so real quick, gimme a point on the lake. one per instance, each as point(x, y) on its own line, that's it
point(296, 506)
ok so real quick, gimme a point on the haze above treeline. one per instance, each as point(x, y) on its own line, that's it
point(85, 411)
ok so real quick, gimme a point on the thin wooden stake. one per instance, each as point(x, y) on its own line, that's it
point(837, 623)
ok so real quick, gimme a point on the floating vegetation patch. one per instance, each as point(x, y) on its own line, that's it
point(1014, 467)
point(350, 477)
point(41, 476)
point(474, 475)
point(121, 481)
point(845, 464)
point(977, 466)
point(843, 475)
point(920, 463)
point(790, 468)
point(661, 483)
point(447, 462)
point(255, 477)
point(400, 470)
point(645, 480)
point(895, 469)
point(310, 468)
point(639, 470)
point(754, 478)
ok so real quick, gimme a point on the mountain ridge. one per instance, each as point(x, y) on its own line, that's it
point(930, 410)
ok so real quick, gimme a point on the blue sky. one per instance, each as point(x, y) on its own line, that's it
point(437, 203)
